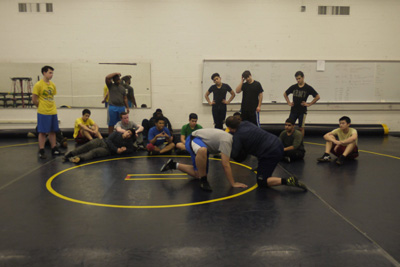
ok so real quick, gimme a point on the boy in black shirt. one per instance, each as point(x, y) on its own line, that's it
point(219, 102)
point(252, 98)
point(300, 92)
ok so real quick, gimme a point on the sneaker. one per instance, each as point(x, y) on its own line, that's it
point(205, 185)
point(169, 165)
point(324, 158)
point(340, 160)
point(56, 152)
point(42, 155)
point(293, 181)
point(67, 156)
point(217, 156)
point(286, 159)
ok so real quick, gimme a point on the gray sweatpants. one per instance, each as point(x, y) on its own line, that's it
point(93, 149)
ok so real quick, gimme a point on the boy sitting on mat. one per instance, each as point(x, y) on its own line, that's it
point(344, 148)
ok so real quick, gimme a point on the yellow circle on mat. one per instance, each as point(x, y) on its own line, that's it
point(51, 190)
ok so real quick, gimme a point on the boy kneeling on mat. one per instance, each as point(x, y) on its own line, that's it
point(344, 148)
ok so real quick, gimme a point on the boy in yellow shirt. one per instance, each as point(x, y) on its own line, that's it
point(345, 147)
point(85, 128)
point(47, 120)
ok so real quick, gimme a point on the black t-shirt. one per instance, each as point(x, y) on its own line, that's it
point(250, 95)
point(300, 95)
point(219, 94)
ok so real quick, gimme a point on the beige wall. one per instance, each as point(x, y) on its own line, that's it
point(176, 35)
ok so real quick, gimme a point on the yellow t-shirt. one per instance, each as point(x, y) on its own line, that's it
point(105, 92)
point(342, 136)
point(80, 121)
point(46, 93)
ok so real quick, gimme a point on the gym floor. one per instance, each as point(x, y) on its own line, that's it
point(123, 212)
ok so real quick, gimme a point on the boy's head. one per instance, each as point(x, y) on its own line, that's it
point(127, 79)
point(237, 115)
point(299, 75)
point(233, 123)
point(160, 123)
point(289, 125)
point(344, 122)
point(124, 118)
point(47, 72)
point(216, 78)
point(130, 133)
point(247, 76)
point(116, 79)
point(85, 114)
point(192, 120)
point(159, 112)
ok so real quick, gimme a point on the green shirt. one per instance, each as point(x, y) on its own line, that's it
point(295, 140)
point(186, 130)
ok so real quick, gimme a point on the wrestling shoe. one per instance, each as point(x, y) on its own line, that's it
point(205, 185)
point(67, 156)
point(42, 155)
point(169, 165)
point(324, 158)
point(340, 160)
point(286, 159)
point(293, 181)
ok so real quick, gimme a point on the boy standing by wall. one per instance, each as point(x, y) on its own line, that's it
point(47, 120)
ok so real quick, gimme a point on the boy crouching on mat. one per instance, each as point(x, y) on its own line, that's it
point(344, 148)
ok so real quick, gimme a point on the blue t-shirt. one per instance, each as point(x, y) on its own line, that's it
point(160, 140)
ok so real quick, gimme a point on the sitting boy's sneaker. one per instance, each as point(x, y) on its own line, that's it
point(340, 160)
point(324, 158)
point(169, 165)
point(293, 181)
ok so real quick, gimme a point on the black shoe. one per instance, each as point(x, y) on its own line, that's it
point(217, 156)
point(42, 155)
point(286, 159)
point(340, 160)
point(169, 165)
point(152, 153)
point(67, 156)
point(293, 181)
point(205, 185)
point(324, 158)
point(56, 152)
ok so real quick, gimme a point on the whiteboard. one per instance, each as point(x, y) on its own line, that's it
point(340, 82)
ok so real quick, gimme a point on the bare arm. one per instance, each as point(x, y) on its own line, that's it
point(35, 100)
point(316, 98)
point(331, 138)
point(239, 87)
point(228, 172)
point(208, 99)
point(126, 104)
point(288, 100)
point(231, 98)
point(120, 130)
point(110, 76)
point(349, 140)
point(183, 139)
point(260, 98)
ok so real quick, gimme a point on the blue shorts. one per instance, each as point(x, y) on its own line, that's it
point(196, 144)
point(47, 123)
point(113, 114)
point(301, 116)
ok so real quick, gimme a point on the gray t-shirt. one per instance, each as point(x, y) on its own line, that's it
point(130, 125)
point(216, 140)
point(116, 93)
